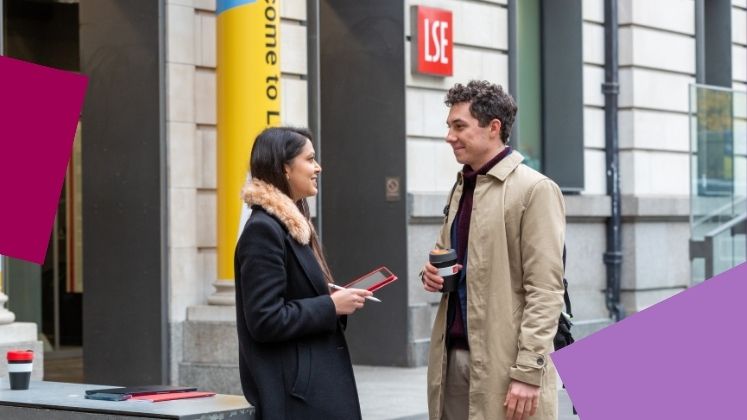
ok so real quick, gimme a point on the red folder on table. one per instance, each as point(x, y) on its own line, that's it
point(172, 396)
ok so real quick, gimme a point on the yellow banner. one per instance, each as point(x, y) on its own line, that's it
point(248, 101)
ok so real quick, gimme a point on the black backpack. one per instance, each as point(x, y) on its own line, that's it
point(563, 336)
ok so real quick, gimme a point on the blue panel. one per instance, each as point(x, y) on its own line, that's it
point(224, 5)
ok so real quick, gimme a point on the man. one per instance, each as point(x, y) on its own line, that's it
point(491, 339)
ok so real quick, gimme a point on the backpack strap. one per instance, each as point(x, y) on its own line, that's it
point(451, 195)
point(566, 298)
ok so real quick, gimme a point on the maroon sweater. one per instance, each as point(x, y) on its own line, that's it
point(457, 330)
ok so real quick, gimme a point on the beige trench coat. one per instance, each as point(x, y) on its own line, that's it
point(514, 290)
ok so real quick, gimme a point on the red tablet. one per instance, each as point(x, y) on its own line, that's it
point(374, 280)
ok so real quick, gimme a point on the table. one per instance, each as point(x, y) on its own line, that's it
point(64, 401)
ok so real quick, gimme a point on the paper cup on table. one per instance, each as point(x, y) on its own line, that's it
point(20, 363)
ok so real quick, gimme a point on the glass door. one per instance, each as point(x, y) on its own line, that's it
point(718, 193)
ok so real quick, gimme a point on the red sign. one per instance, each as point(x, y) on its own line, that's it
point(434, 41)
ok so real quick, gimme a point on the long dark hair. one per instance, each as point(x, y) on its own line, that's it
point(274, 148)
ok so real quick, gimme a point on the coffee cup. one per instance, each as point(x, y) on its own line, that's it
point(20, 364)
point(445, 260)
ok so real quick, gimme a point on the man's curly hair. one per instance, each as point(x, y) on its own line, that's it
point(488, 101)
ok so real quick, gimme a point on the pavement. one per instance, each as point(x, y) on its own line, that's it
point(392, 393)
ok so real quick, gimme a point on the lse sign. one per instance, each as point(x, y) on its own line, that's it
point(432, 43)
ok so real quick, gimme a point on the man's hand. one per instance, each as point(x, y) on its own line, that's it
point(432, 282)
point(521, 400)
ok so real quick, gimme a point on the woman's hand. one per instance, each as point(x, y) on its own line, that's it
point(348, 301)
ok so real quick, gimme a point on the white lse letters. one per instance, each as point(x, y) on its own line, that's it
point(436, 33)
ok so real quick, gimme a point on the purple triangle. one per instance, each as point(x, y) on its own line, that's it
point(39, 111)
point(680, 359)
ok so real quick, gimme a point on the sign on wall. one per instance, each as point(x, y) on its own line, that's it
point(432, 41)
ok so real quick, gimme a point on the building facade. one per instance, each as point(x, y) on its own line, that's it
point(149, 156)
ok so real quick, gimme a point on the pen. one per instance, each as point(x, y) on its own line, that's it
point(334, 286)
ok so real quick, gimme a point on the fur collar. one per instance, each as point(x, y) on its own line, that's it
point(281, 206)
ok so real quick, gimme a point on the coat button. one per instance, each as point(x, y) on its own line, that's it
point(540, 361)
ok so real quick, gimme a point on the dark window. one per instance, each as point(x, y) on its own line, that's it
point(546, 78)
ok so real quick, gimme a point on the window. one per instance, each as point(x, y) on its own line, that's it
point(546, 78)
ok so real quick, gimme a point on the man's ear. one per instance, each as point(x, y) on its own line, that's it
point(495, 128)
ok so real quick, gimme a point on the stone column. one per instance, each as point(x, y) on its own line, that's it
point(225, 293)
point(6, 316)
point(248, 100)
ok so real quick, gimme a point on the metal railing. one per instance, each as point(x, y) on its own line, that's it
point(705, 248)
point(718, 213)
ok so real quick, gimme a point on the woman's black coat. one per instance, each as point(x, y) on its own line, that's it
point(294, 361)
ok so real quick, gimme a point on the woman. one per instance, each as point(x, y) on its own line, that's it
point(294, 361)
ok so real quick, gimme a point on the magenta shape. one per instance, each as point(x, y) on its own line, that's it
point(680, 359)
point(39, 111)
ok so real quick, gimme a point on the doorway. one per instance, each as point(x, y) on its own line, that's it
point(46, 32)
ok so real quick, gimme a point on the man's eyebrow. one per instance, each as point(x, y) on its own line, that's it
point(455, 120)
